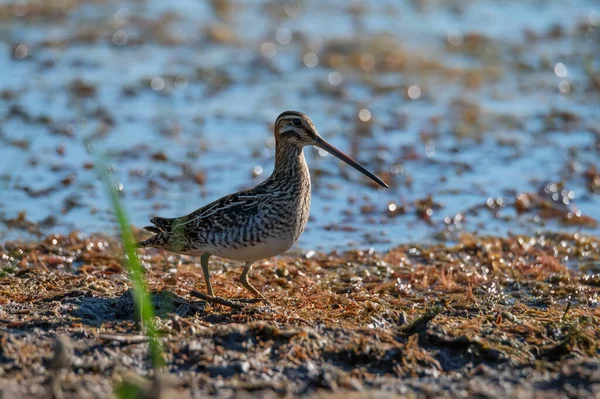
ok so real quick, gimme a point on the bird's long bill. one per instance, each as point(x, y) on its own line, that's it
point(321, 143)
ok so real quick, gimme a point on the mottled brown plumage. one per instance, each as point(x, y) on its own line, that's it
point(259, 222)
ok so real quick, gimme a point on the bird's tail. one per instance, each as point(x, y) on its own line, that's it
point(156, 241)
point(161, 229)
point(164, 225)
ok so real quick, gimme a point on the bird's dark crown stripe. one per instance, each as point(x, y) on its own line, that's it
point(291, 113)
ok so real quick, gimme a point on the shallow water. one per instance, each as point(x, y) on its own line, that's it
point(469, 103)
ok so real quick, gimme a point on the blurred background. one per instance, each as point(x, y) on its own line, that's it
point(483, 116)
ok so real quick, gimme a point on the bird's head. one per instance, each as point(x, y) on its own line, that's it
point(295, 128)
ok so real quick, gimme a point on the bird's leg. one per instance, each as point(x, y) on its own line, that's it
point(222, 301)
point(204, 262)
point(247, 285)
point(210, 297)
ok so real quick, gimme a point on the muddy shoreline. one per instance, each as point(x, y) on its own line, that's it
point(489, 317)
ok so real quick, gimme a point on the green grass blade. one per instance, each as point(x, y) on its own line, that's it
point(143, 303)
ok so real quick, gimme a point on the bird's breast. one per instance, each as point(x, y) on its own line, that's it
point(273, 230)
point(253, 251)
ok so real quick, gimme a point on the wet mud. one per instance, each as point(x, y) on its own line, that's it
point(488, 317)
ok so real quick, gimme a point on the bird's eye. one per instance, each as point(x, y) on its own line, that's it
point(297, 122)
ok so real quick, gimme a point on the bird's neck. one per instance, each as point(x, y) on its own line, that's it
point(290, 163)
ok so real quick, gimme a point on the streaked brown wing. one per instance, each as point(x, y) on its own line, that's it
point(229, 211)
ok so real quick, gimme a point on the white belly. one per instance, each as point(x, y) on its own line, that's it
point(263, 250)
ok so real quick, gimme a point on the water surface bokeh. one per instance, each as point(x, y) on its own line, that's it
point(482, 116)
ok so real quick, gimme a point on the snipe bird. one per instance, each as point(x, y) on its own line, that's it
point(259, 222)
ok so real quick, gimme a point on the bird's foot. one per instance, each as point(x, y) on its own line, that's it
point(235, 303)
point(217, 300)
